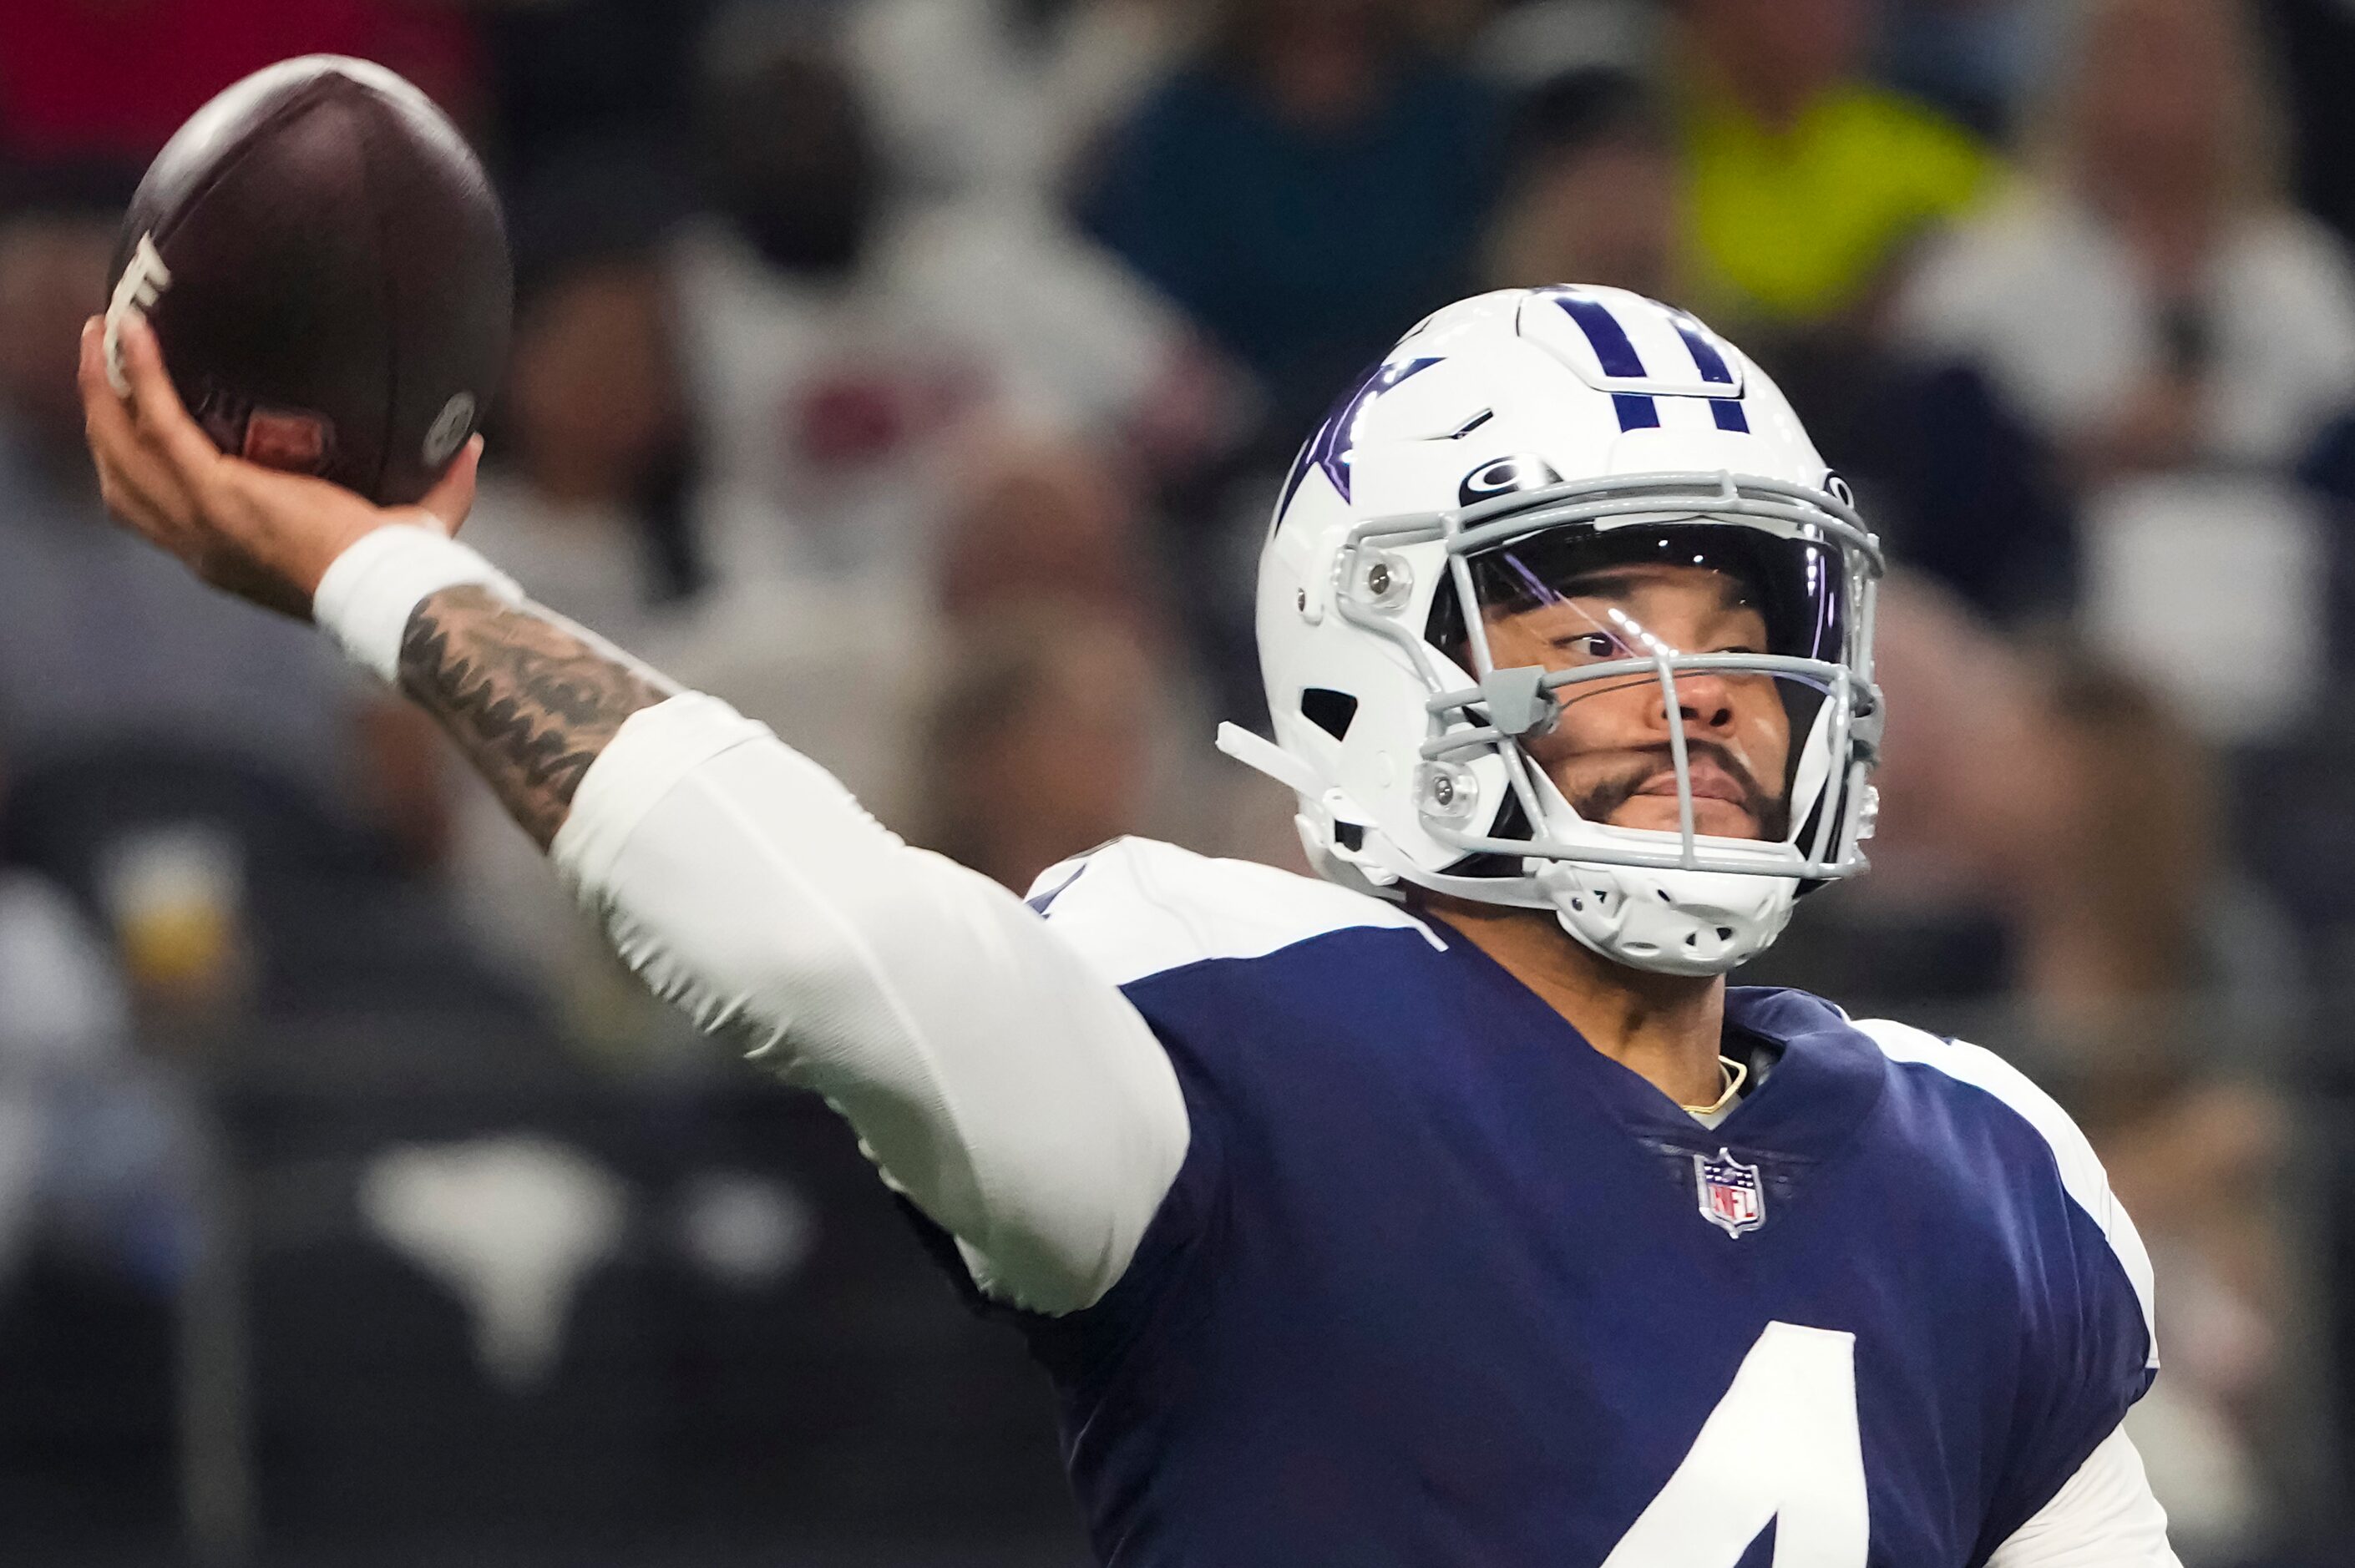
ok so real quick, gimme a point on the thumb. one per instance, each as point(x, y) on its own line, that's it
point(453, 496)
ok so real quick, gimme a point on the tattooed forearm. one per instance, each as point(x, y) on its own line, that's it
point(530, 699)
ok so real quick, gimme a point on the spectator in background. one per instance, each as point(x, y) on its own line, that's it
point(1805, 183)
point(2118, 909)
point(1036, 746)
point(584, 495)
point(1310, 184)
point(1046, 521)
point(1590, 193)
point(2149, 301)
point(817, 400)
point(2180, 336)
point(2084, 884)
point(847, 343)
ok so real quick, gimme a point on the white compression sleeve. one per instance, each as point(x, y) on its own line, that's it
point(1016, 1097)
point(2103, 1517)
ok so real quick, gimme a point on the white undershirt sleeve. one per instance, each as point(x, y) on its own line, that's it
point(2103, 1517)
point(1014, 1094)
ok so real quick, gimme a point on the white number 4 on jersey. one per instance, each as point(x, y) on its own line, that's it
point(1781, 1445)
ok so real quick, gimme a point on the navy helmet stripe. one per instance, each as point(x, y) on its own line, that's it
point(1637, 411)
point(1729, 413)
point(1618, 356)
point(1706, 359)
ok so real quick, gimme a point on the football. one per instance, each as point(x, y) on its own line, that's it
point(327, 268)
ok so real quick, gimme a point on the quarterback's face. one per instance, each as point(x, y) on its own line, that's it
point(1609, 753)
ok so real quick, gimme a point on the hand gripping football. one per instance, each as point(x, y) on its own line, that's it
point(327, 269)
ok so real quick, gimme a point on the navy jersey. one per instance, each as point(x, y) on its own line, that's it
point(1439, 1283)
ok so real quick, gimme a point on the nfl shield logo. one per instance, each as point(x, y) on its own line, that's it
point(1731, 1196)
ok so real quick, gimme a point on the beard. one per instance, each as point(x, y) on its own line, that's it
point(1600, 800)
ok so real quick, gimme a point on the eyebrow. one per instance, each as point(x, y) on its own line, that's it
point(1732, 593)
point(1604, 585)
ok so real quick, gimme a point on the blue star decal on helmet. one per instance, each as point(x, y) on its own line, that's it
point(1331, 448)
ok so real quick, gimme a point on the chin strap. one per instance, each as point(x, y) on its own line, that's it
point(1262, 755)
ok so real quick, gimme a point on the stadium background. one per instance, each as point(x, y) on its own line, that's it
point(917, 374)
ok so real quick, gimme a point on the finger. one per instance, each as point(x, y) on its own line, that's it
point(105, 419)
point(134, 483)
point(163, 421)
point(453, 496)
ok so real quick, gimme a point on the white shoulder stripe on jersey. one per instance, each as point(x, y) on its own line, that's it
point(1138, 908)
point(2081, 1168)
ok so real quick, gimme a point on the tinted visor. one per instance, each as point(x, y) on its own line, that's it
point(1573, 597)
point(1576, 574)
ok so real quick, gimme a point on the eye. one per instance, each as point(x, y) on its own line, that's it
point(1589, 644)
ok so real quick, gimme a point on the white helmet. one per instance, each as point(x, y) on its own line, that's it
point(1508, 436)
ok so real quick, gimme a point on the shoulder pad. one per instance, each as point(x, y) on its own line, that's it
point(1137, 908)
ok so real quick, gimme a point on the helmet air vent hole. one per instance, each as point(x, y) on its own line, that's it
point(1328, 710)
point(1725, 933)
point(1664, 895)
point(1579, 904)
point(1693, 940)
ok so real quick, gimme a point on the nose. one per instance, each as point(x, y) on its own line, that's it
point(1704, 702)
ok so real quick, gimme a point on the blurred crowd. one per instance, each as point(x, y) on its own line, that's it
point(918, 376)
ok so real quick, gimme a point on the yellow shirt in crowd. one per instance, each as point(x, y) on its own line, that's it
point(1791, 226)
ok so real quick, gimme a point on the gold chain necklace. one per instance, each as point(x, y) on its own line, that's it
point(1734, 1074)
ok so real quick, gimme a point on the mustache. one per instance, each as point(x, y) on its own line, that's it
point(1771, 812)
